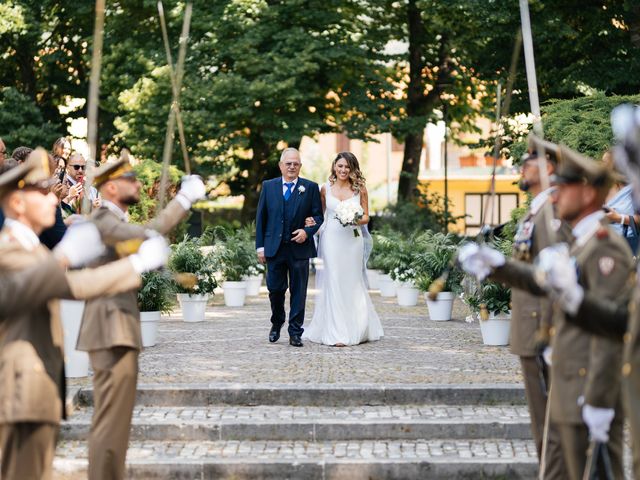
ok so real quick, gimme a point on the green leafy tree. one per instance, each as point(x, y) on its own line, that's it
point(22, 122)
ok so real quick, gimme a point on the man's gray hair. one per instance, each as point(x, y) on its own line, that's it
point(288, 150)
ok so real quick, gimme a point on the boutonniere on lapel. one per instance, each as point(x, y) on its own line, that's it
point(301, 189)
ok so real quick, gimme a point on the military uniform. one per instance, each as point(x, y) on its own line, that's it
point(32, 382)
point(582, 363)
point(110, 332)
point(530, 322)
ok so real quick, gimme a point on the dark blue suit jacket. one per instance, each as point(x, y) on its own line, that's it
point(270, 217)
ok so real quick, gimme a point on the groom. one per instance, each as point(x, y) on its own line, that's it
point(283, 242)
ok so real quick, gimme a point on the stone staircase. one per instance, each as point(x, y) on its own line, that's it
point(316, 432)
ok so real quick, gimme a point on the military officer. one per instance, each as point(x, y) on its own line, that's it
point(619, 318)
point(531, 314)
point(585, 397)
point(110, 329)
point(32, 389)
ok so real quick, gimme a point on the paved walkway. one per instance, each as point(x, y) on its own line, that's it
point(231, 346)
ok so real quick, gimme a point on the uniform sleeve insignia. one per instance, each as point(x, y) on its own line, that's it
point(605, 265)
point(602, 234)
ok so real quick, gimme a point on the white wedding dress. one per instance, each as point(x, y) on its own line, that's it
point(343, 312)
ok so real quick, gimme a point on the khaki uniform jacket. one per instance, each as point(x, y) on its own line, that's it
point(584, 365)
point(112, 321)
point(32, 382)
point(529, 312)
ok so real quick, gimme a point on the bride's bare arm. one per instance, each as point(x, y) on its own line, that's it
point(364, 203)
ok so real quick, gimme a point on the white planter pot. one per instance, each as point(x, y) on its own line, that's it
point(193, 306)
point(387, 286)
point(407, 294)
point(76, 363)
point(495, 331)
point(253, 285)
point(149, 322)
point(234, 293)
point(440, 309)
point(374, 279)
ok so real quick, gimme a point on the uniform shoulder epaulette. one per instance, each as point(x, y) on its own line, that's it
point(602, 233)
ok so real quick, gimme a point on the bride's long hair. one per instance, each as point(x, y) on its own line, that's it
point(356, 179)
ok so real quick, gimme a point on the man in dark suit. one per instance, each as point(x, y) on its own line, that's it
point(285, 244)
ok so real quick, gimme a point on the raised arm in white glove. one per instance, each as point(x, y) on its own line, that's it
point(80, 244)
point(479, 260)
point(599, 421)
point(556, 273)
point(192, 189)
point(152, 254)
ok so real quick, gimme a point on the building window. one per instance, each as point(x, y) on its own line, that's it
point(475, 205)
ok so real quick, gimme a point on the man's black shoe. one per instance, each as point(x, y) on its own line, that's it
point(274, 334)
point(295, 341)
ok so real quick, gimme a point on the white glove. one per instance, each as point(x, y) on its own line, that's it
point(625, 120)
point(191, 190)
point(152, 254)
point(80, 244)
point(479, 260)
point(557, 275)
point(547, 353)
point(598, 420)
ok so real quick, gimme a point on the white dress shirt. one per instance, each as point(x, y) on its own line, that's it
point(25, 236)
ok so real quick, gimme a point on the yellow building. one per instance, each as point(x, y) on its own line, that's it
point(468, 192)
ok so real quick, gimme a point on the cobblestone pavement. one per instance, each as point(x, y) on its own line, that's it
point(231, 345)
point(437, 413)
point(246, 451)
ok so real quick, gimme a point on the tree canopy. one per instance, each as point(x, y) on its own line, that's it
point(261, 74)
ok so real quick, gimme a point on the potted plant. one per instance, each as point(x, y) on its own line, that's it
point(234, 257)
point(154, 298)
point(434, 262)
point(494, 299)
point(374, 265)
point(491, 302)
point(407, 292)
point(194, 278)
point(76, 362)
point(253, 279)
point(386, 260)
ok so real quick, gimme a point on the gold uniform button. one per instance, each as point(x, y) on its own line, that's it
point(552, 331)
point(534, 314)
point(582, 372)
point(626, 337)
point(626, 369)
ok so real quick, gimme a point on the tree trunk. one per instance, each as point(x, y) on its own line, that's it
point(415, 105)
point(410, 166)
point(261, 151)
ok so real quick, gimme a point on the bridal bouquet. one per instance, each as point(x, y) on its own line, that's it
point(348, 214)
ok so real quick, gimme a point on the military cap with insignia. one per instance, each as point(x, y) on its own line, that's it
point(112, 171)
point(537, 145)
point(576, 168)
point(33, 173)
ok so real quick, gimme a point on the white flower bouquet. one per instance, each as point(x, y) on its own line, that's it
point(348, 214)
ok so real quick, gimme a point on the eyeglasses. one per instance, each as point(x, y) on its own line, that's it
point(292, 164)
point(78, 167)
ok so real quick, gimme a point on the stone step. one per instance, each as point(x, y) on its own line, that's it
point(316, 423)
point(319, 394)
point(355, 460)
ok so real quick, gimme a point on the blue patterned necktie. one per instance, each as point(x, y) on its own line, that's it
point(287, 193)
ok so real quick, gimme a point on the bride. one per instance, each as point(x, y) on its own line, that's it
point(344, 314)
